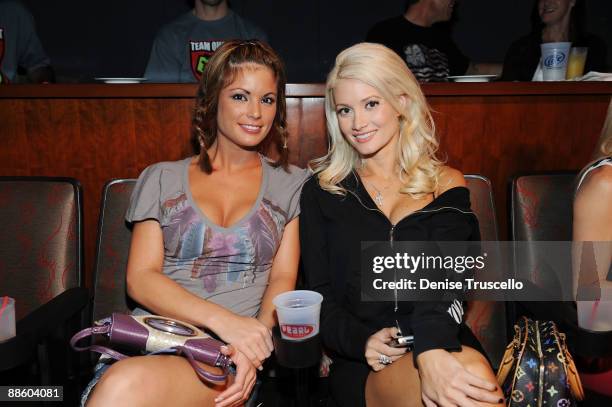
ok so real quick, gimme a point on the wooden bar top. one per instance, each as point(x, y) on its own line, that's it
point(179, 90)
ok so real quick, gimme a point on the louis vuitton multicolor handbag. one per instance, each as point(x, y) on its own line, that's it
point(537, 369)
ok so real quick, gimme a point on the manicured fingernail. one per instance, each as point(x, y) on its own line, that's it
point(218, 399)
point(260, 368)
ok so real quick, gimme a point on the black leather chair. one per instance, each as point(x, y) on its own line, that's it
point(487, 319)
point(541, 206)
point(112, 249)
point(541, 210)
point(41, 260)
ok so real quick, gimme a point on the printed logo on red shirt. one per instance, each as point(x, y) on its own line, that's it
point(296, 331)
point(200, 53)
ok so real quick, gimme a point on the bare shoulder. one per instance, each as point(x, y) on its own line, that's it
point(449, 178)
point(592, 206)
point(597, 185)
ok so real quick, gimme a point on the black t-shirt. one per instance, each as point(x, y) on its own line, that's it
point(429, 52)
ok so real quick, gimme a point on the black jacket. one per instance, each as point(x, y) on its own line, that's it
point(332, 228)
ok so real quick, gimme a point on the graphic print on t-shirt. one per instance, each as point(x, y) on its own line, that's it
point(427, 64)
point(200, 52)
point(3, 78)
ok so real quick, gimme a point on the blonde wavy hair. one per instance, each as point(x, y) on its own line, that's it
point(605, 141)
point(381, 68)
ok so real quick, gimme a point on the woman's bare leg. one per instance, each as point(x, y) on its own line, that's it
point(399, 384)
point(153, 381)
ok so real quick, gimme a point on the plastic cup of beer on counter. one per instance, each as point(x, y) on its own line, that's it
point(298, 314)
point(7, 318)
point(555, 56)
point(577, 60)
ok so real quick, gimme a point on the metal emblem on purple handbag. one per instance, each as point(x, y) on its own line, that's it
point(152, 333)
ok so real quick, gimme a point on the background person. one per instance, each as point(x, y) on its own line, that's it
point(381, 181)
point(592, 222)
point(183, 47)
point(557, 21)
point(204, 255)
point(20, 46)
point(427, 48)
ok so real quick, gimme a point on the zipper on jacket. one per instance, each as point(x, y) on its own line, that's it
point(391, 239)
point(392, 229)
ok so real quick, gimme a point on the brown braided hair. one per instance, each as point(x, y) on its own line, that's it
point(220, 71)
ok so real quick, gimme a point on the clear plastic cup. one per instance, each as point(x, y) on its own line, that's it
point(595, 315)
point(298, 314)
point(554, 60)
point(7, 318)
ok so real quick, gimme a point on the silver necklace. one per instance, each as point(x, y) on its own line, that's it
point(378, 196)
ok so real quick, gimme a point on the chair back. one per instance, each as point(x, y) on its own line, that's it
point(40, 251)
point(541, 210)
point(486, 319)
point(112, 249)
point(483, 205)
point(541, 206)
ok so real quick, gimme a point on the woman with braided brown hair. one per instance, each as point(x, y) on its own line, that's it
point(215, 235)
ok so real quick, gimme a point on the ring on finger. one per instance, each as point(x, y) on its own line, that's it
point(384, 359)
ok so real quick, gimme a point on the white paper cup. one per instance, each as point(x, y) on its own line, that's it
point(298, 314)
point(554, 60)
point(7, 318)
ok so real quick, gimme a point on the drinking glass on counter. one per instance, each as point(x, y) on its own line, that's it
point(577, 60)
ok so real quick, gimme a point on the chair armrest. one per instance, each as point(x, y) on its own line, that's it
point(35, 326)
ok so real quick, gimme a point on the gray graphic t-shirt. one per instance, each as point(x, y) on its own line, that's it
point(228, 266)
point(182, 48)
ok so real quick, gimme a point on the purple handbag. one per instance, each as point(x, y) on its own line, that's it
point(152, 333)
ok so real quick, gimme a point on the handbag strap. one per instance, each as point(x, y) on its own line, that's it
point(103, 329)
point(203, 374)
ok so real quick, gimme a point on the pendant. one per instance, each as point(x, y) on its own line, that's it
point(378, 198)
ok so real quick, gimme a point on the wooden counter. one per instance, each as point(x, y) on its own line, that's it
point(95, 132)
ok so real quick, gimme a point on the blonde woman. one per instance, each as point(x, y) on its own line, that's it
point(381, 181)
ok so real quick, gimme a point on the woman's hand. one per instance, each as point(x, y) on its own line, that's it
point(377, 346)
point(247, 335)
point(239, 391)
point(445, 382)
